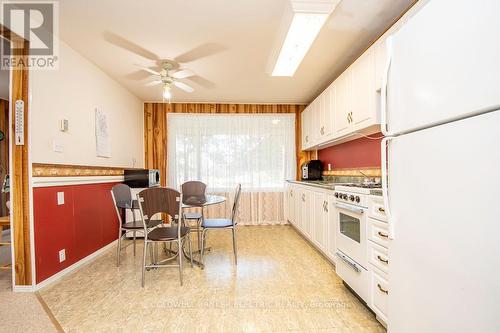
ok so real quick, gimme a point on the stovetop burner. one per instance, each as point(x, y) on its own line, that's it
point(371, 185)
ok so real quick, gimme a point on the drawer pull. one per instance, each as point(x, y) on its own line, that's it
point(381, 234)
point(382, 289)
point(383, 260)
point(381, 209)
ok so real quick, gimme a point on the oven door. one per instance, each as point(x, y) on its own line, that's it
point(351, 231)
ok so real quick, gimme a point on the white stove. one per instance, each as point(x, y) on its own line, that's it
point(351, 206)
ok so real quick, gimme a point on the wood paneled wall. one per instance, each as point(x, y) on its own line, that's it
point(155, 127)
point(19, 191)
point(4, 153)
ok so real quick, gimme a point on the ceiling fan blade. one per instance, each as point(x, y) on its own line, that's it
point(182, 74)
point(129, 46)
point(153, 83)
point(201, 81)
point(150, 70)
point(183, 86)
point(201, 51)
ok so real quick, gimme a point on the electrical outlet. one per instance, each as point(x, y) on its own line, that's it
point(60, 198)
point(62, 255)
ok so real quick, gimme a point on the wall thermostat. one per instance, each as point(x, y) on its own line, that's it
point(64, 125)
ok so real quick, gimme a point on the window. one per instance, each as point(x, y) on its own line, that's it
point(256, 150)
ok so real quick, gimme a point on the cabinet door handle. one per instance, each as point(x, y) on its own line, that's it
point(382, 289)
point(304, 197)
point(291, 193)
point(381, 234)
point(381, 209)
point(386, 261)
point(307, 138)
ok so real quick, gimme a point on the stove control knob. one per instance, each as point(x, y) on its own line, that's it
point(358, 199)
point(336, 195)
point(344, 196)
point(351, 197)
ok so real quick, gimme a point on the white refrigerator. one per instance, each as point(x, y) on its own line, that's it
point(441, 169)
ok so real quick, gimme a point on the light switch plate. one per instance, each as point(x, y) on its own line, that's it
point(58, 146)
point(60, 198)
point(62, 255)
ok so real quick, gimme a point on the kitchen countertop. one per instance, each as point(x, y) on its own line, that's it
point(316, 183)
point(329, 185)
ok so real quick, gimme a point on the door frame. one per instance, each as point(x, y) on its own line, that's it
point(21, 246)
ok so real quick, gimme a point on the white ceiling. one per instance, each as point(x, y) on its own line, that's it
point(240, 34)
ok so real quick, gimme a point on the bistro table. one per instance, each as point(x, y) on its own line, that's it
point(202, 202)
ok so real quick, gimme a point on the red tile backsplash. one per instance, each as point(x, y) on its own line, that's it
point(359, 153)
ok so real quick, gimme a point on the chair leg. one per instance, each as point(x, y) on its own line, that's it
point(234, 247)
point(202, 255)
point(134, 243)
point(198, 230)
point(144, 263)
point(119, 248)
point(190, 249)
point(179, 243)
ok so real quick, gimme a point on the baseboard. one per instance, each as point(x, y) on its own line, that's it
point(23, 289)
point(73, 267)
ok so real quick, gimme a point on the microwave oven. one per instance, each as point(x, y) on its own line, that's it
point(142, 178)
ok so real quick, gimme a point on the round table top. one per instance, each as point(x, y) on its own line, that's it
point(207, 200)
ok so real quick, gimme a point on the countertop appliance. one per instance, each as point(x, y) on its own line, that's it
point(142, 178)
point(440, 160)
point(312, 170)
point(351, 238)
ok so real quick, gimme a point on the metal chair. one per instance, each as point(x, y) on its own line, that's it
point(217, 224)
point(167, 201)
point(122, 198)
point(193, 194)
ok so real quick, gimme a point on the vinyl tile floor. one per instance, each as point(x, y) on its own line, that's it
point(281, 283)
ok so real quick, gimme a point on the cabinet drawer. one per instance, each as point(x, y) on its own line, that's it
point(378, 232)
point(358, 280)
point(376, 208)
point(378, 256)
point(379, 295)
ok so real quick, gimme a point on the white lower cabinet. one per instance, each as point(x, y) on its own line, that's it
point(379, 294)
point(310, 211)
point(378, 258)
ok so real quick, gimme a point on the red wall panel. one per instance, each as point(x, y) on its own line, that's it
point(359, 153)
point(82, 225)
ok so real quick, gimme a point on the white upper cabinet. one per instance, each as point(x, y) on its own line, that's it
point(363, 92)
point(305, 128)
point(326, 120)
point(342, 107)
point(380, 62)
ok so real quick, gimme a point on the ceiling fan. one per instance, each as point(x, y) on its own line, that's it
point(168, 79)
point(168, 72)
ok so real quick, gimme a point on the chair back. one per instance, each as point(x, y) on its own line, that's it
point(122, 197)
point(158, 200)
point(193, 193)
point(236, 204)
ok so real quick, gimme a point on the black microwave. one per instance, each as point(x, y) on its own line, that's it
point(142, 178)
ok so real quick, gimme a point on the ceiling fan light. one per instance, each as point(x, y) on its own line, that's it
point(167, 93)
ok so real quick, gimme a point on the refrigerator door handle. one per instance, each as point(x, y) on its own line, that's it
point(385, 188)
point(383, 91)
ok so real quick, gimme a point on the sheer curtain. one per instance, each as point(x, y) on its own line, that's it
point(256, 150)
